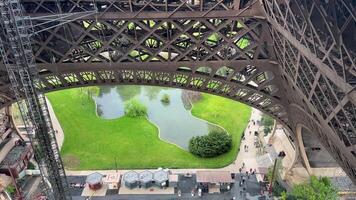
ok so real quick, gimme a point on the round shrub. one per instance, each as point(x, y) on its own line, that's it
point(165, 99)
point(211, 145)
point(134, 108)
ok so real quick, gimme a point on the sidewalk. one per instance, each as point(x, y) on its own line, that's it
point(56, 125)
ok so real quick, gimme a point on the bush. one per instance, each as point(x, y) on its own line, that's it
point(267, 122)
point(211, 145)
point(31, 166)
point(278, 190)
point(266, 130)
point(10, 189)
point(316, 189)
point(165, 99)
point(134, 108)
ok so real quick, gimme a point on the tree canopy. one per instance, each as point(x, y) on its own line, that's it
point(134, 108)
point(267, 122)
point(316, 189)
point(211, 145)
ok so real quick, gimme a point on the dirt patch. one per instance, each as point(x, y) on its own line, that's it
point(71, 161)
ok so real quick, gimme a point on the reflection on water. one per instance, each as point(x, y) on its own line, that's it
point(175, 122)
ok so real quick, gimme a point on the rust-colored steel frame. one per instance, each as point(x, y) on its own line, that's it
point(224, 47)
point(317, 44)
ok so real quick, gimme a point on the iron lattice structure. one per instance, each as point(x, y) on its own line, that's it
point(292, 59)
point(22, 73)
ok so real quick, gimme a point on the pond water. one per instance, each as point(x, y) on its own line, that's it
point(176, 124)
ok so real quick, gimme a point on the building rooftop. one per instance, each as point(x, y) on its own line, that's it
point(94, 178)
point(112, 178)
point(160, 176)
point(131, 177)
point(214, 177)
point(146, 176)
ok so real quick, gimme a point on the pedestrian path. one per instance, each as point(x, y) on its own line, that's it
point(56, 125)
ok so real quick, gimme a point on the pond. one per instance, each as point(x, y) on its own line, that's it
point(174, 120)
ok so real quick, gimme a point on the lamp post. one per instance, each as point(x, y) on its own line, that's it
point(116, 164)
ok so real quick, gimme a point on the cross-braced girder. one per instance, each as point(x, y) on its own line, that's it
point(317, 44)
point(294, 60)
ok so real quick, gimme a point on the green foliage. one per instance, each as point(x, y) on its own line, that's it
point(284, 195)
point(243, 43)
point(267, 122)
point(269, 173)
point(267, 129)
point(134, 108)
point(165, 99)
point(211, 145)
point(10, 189)
point(315, 189)
point(31, 166)
point(278, 190)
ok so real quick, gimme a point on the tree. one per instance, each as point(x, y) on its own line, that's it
point(267, 122)
point(211, 145)
point(316, 189)
point(134, 108)
point(10, 189)
point(267, 129)
point(31, 166)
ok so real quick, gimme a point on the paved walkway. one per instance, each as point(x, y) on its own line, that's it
point(56, 125)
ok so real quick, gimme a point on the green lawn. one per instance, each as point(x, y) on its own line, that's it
point(93, 143)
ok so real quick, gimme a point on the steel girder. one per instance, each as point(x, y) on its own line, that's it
point(317, 44)
point(223, 47)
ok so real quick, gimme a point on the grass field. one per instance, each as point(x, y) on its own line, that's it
point(94, 143)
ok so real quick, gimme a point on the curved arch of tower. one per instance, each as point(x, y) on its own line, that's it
point(292, 59)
